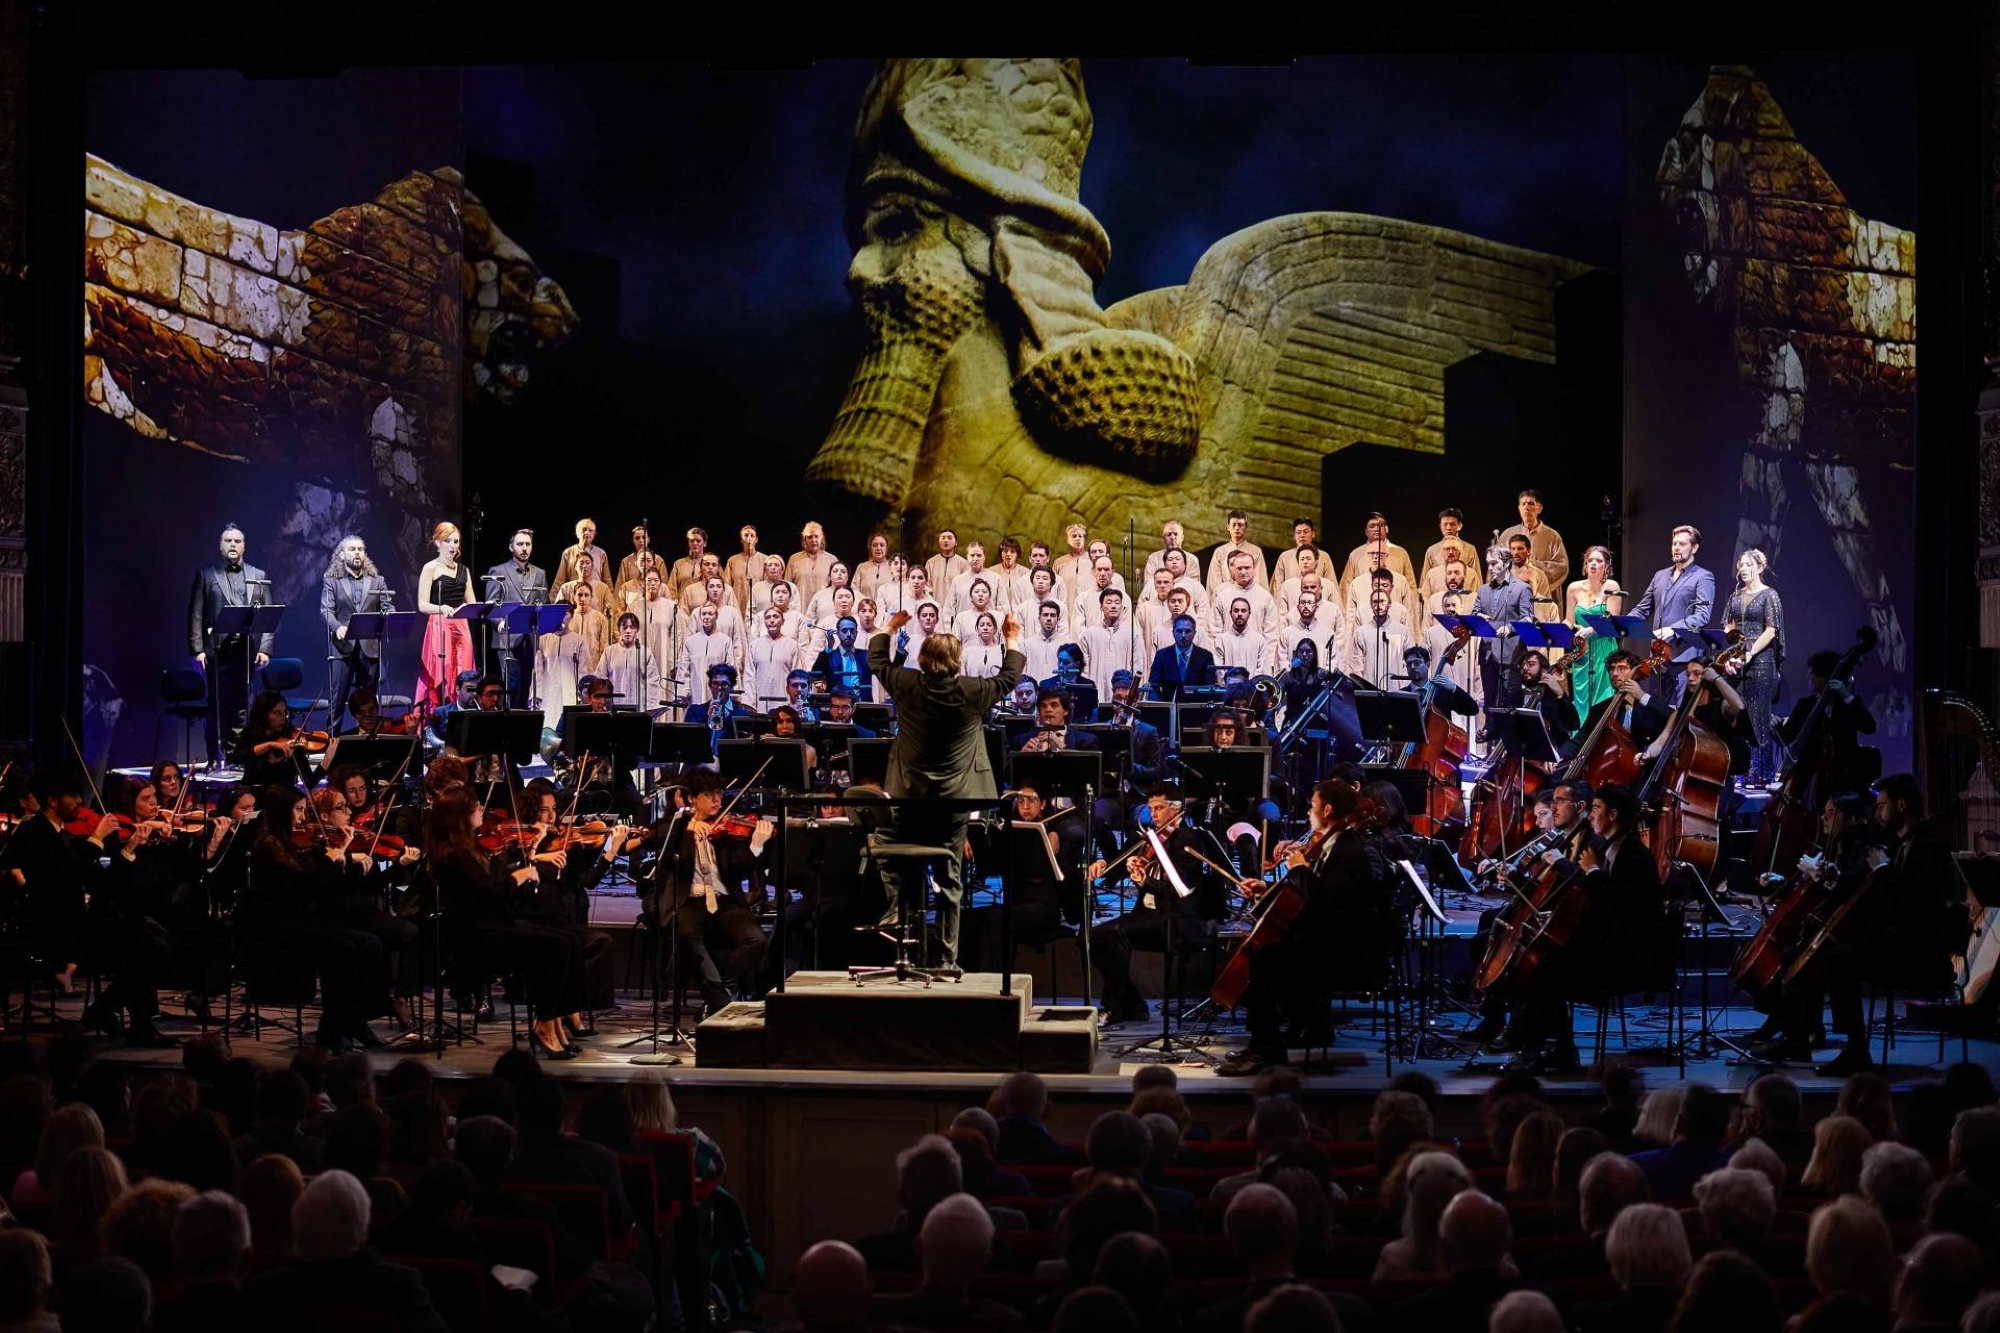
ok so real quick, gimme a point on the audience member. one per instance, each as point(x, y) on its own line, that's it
point(1118, 1146)
point(1422, 1085)
point(1106, 1209)
point(1531, 1162)
point(1771, 1110)
point(1696, 1149)
point(927, 1173)
point(108, 1295)
point(1163, 1144)
point(1280, 1081)
point(196, 1151)
point(139, 1225)
point(1138, 1267)
point(269, 1187)
point(1737, 1208)
point(982, 1176)
point(335, 1270)
point(1021, 1106)
point(1975, 1148)
point(211, 1244)
point(1848, 1249)
point(1842, 1312)
point(1658, 1114)
point(1834, 1169)
point(27, 1281)
point(1277, 1124)
point(1094, 1310)
point(1573, 1152)
point(1727, 1293)
point(1897, 1180)
point(1293, 1308)
point(1961, 1208)
point(1867, 1097)
point(283, 1102)
point(1610, 1184)
point(90, 1181)
point(1524, 1312)
point(348, 1079)
point(831, 1289)
point(1938, 1283)
point(1647, 1252)
point(1263, 1231)
point(67, 1129)
point(1620, 1084)
point(543, 1155)
point(1983, 1315)
point(651, 1102)
point(1432, 1181)
point(955, 1244)
point(1474, 1236)
point(1397, 1120)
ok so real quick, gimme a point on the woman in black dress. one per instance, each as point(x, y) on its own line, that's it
point(1756, 612)
point(268, 749)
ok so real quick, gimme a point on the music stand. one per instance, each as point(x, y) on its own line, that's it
point(1714, 639)
point(1390, 717)
point(253, 622)
point(514, 733)
point(679, 743)
point(1114, 742)
point(1164, 717)
point(1240, 771)
point(868, 760)
point(740, 760)
point(373, 754)
point(879, 718)
point(1077, 774)
point(1618, 627)
point(474, 614)
point(621, 739)
point(1545, 634)
point(380, 627)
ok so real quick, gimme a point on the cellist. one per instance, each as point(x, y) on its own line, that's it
point(1348, 913)
point(1568, 810)
point(1622, 935)
point(1847, 840)
point(1643, 716)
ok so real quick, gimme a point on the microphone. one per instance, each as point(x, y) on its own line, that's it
point(258, 583)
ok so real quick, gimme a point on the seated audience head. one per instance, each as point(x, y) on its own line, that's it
point(651, 1102)
point(1160, 1100)
point(1104, 1209)
point(484, 1145)
point(1021, 1095)
point(1397, 1120)
point(1421, 1084)
point(1759, 1156)
point(1263, 1230)
point(1897, 1180)
point(1094, 1310)
point(90, 1181)
point(1524, 1312)
point(980, 1119)
point(1163, 1140)
point(139, 1225)
point(1771, 1102)
point(1137, 1267)
point(1848, 1248)
point(1292, 1308)
point(1531, 1162)
point(1867, 1097)
point(109, 1295)
point(26, 1277)
point(1727, 1293)
point(1835, 1166)
point(330, 1220)
point(1703, 1117)
point(269, 1187)
point(1940, 1279)
point(1737, 1207)
point(1573, 1153)
point(1474, 1234)
point(196, 1151)
point(1962, 1208)
point(1276, 1125)
point(1658, 1115)
point(1117, 1144)
point(955, 1242)
point(1975, 1147)
point(350, 1078)
point(1154, 1076)
point(1611, 1183)
point(830, 1287)
point(67, 1129)
point(211, 1239)
point(927, 1173)
point(1983, 1315)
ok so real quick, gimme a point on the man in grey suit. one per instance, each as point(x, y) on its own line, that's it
point(518, 581)
point(939, 751)
point(228, 582)
point(1677, 605)
point(350, 585)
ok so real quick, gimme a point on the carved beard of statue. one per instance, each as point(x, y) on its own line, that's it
point(917, 296)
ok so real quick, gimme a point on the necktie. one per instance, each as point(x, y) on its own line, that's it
point(1184, 664)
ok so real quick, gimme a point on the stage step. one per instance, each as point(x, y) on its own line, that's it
point(825, 1020)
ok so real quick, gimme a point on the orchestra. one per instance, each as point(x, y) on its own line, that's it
point(331, 866)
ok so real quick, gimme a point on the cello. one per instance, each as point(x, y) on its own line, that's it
point(1438, 756)
point(1503, 942)
point(1764, 959)
point(1785, 827)
point(1279, 907)
point(1688, 783)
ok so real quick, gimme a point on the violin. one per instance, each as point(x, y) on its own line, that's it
point(389, 847)
point(731, 826)
point(592, 833)
point(312, 742)
point(323, 836)
point(86, 821)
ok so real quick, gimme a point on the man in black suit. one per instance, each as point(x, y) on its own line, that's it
point(544, 1155)
point(335, 1269)
point(1052, 725)
point(227, 582)
point(841, 666)
point(940, 752)
point(1181, 665)
point(1162, 917)
point(1039, 903)
point(1642, 714)
point(351, 585)
point(1622, 943)
point(518, 580)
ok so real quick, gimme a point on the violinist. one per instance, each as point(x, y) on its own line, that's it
point(56, 868)
point(1039, 903)
point(1346, 920)
point(480, 900)
point(1641, 714)
point(1618, 934)
point(571, 861)
point(1898, 928)
point(298, 879)
point(168, 782)
point(366, 710)
point(1543, 691)
point(1162, 917)
point(703, 864)
point(1304, 679)
point(1848, 845)
point(271, 750)
point(142, 907)
point(357, 903)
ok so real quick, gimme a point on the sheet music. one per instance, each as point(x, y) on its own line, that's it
point(1167, 864)
point(1042, 842)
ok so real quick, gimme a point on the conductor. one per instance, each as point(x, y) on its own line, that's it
point(939, 751)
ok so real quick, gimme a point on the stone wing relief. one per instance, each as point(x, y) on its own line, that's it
point(993, 392)
point(1822, 311)
point(332, 351)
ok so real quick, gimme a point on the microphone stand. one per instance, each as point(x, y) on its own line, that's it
point(665, 965)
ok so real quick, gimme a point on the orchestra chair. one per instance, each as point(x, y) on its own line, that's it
point(1943, 991)
point(1074, 938)
point(1668, 980)
point(286, 674)
point(183, 697)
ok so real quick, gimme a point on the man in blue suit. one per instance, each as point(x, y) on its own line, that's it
point(1677, 605)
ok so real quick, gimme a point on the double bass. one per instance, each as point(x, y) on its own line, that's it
point(1686, 788)
point(1785, 829)
point(1438, 756)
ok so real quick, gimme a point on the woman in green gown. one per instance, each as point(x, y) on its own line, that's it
point(1595, 594)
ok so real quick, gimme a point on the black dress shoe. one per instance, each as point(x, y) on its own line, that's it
point(1562, 1059)
point(549, 1052)
point(364, 1036)
point(1246, 1063)
point(1780, 1051)
point(1849, 1062)
point(101, 1017)
point(149, 1038)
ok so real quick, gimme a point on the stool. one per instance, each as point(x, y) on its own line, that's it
point(1887, 990)
point(922, 857)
